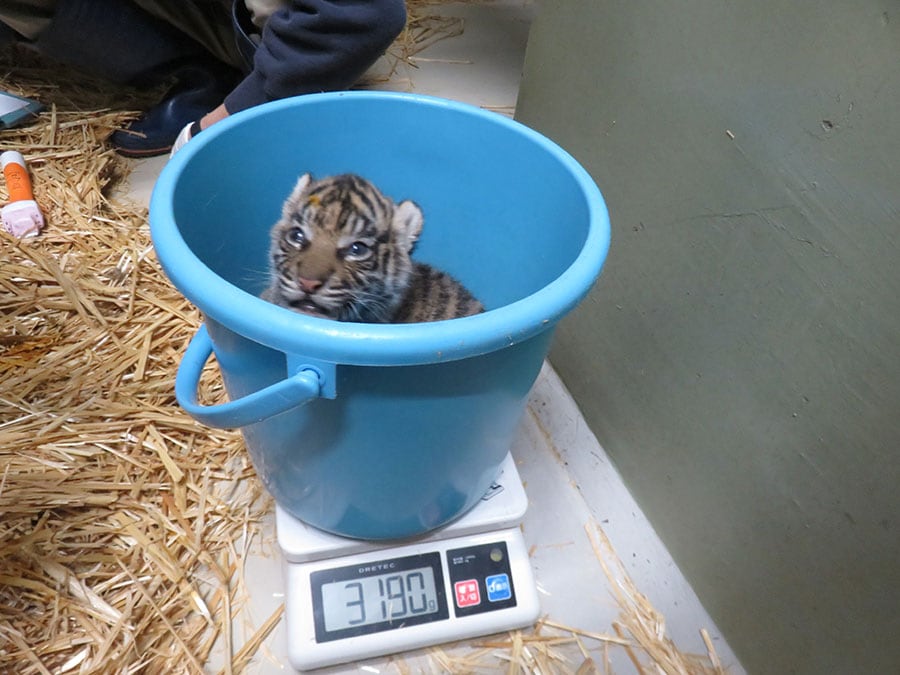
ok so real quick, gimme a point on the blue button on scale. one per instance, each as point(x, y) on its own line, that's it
point(498, 587)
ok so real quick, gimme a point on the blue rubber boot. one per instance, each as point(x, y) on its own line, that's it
point(199, 87)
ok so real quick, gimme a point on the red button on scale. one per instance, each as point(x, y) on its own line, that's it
point(467, 594)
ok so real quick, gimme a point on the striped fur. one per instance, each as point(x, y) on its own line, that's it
point(341, 250)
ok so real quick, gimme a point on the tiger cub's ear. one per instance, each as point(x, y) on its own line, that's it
point(293, 201)
point(407, 223)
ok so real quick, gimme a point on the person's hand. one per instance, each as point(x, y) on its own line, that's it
point(213, 116)
point(194, 128)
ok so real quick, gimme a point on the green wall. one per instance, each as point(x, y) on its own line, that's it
point(740, 357)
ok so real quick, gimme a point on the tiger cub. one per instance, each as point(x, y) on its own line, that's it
point(341, 250)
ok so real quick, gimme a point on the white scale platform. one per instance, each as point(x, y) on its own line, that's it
point(348, 599)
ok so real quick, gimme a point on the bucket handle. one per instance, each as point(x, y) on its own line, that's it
point(294, 391)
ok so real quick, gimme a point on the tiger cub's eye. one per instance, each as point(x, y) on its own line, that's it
point(358, 249)
point(295, 236)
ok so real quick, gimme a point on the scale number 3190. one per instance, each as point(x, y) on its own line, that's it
point(374, 599)
point(399, 595)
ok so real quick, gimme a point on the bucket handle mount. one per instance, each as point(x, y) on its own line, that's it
point(291, 392)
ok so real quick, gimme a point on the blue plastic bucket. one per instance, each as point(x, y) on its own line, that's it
point(378, 431)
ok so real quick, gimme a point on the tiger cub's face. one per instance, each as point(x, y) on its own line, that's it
point(341, 250)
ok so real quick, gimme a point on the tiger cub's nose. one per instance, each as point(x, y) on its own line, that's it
point(309, 285)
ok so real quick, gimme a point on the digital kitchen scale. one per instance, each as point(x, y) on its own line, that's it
point(348, 599)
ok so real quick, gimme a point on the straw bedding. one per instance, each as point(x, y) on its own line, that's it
point(120, 516)
point(123, 524)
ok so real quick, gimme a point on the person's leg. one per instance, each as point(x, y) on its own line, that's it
point(207, 22)
point(119, 41)
point(27, 17)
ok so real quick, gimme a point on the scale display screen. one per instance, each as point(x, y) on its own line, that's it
point(382, 595)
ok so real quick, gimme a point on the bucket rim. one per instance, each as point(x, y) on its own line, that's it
point(362, 343)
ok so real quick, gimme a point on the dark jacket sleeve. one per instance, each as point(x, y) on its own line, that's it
point(318, 45)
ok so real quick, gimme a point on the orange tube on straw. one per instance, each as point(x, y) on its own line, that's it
point(21, 216)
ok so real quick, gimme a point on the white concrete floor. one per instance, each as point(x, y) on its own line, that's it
point(570, 482)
